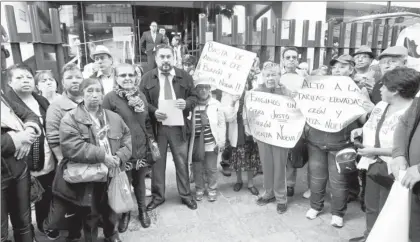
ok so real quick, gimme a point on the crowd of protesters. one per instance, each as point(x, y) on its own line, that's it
point(110, 115)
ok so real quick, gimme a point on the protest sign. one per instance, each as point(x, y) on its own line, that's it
point(410, 39)
point(330, 103)
point(292, 81)
point(228, 67)
point(274, 119)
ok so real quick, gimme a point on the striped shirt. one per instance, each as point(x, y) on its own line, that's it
point(208, 136)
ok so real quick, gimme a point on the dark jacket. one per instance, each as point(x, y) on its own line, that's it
point(183, 87)
point(150, 44)
point(79, 144)
point(10, 167)
point(43, 106)
point(136, 122)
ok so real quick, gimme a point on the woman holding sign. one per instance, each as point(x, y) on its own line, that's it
point(273, 158)
point(398, 91)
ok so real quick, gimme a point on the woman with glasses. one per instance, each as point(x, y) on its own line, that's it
point(47, 85)
point(90, 134)
point(131, 104)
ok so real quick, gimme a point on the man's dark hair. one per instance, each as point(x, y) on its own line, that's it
point(404, 80)
point(163, 46)
point(289, 48)
point(20, 66)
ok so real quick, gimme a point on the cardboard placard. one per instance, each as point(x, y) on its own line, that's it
point(226, 66)
point(330, 103)
point(292, 81)
point(121, 33)
point(274, 119)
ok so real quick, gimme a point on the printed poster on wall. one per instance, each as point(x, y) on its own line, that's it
point(330, 103)
point(274, 119)
point(226, 66)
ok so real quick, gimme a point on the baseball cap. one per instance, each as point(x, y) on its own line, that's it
point(394, 51)
point(345, 59)
point(364, 49)
point(100, 49)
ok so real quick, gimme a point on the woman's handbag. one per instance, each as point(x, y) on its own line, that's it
point(298, 155)
point(153, 149)
point(36, 190)
point(378, 171)
point(79, 172)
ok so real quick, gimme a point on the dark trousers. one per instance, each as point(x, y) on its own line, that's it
point(42, 207)
point(375, 199)
point(137, 179)
point(353, 183)
point(15, 201)
point(322, 168)
point(179, 149)
point(415, 216)
point(151, 64)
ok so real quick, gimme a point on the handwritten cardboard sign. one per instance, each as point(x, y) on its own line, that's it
point(226, 66)
point(330, 103)
point(292, 81)
point(274, 119)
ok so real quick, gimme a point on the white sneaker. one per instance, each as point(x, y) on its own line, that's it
point(337, 221)
point(148, 192)
point(312, 214)
point(307, 194)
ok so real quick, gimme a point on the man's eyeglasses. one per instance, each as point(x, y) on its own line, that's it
point(125, 75)
point(290, 57)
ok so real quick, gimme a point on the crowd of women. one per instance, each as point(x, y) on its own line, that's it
point(45, 134)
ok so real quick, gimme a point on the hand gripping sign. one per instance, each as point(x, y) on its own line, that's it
point(274, 119)
point(331, 103)
point(228, 67)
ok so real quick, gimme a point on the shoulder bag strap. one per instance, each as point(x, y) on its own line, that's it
point(379, 126)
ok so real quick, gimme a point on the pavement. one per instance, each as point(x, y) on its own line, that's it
point(235, 217)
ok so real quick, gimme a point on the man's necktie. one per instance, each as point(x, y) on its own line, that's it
point(167, 89)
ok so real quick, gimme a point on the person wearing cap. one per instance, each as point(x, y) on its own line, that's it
point(389, 59)
point(151, 39)
point(364, 75)
point(188, 64)
point(105, 72)
point(180, 51)
point(207, 139)
point(398, 91)
point(169, 83)
point(273, 158)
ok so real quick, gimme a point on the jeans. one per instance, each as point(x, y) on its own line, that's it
point(42, 207)
point(353, 183)
point(274, 160)
point(291, 174)
point(179, 149)
point(415, 217)
point(322, 168)
point(375, 199)
point(209, 167)
point(15, 201)
point(137, 178)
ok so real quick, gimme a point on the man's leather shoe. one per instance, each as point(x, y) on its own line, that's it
point(191, 204)
point(281, 208)
point(124, 221)
point(358, 239)
point(153, 205)
point(144, 218)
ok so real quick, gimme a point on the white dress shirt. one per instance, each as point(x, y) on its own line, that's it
point(162, 84)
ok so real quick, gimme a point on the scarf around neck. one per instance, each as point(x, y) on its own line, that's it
point(132, 97)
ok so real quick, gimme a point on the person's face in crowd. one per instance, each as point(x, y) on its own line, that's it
point(164, 59)
point(304, 68)
point(386, 94)
point(22, 81)
point(175, 42)
point(203, 91)
point(362, 61)
point(71, 81)
point(389, 63)
point(271, 78)
point(290, 59)
point(188, 67)
point(342, 69)
point(162, 32)
point(153, 27)
point(126, 77)
point(47, 83)
point(103, 61)
point(92, 95)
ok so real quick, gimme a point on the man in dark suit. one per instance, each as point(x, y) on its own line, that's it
point(169, 83)
point(152, 39)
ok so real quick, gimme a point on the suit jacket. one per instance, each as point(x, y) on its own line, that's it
point(150, 44)
point(183, 87)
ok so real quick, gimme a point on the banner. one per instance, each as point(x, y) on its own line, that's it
point(274, 119)
point(228, 67)
point(410, 39)
point(330, 103)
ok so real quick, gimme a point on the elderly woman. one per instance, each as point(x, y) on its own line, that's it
point(131, 104)
point(47, 85)
point(90, 134)
point(273, 158)
point(398, 91)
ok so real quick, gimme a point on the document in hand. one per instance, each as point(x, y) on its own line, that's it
point(393, 221)
point(174, 114)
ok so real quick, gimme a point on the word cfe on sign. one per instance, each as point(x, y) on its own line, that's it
point(274, 119)
point(330, 103)
point(226, 66)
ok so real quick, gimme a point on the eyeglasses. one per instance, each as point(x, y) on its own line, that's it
point(290, 57)
point(125, 75)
